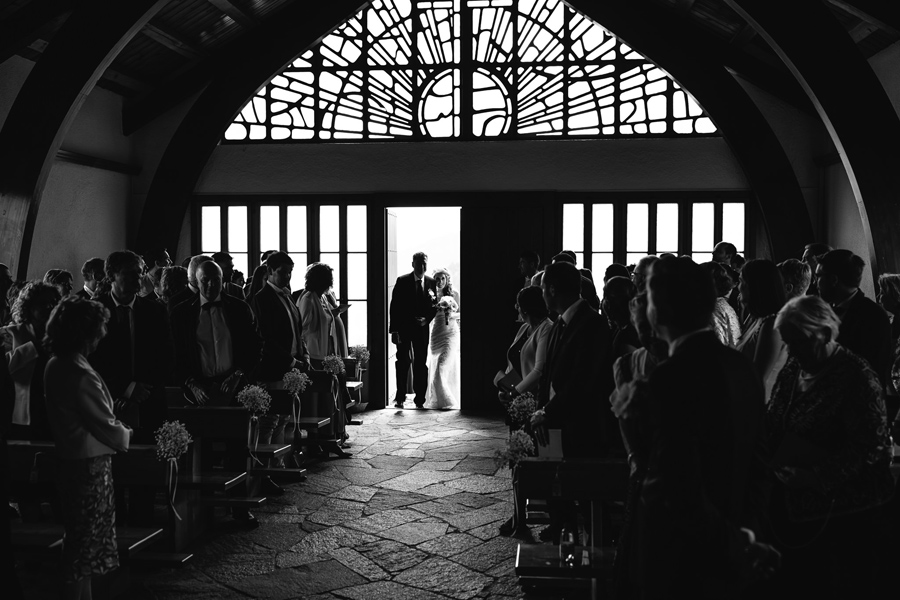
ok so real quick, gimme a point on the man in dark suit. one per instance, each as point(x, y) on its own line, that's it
point(283, 346)
point(702, 415)
point(136, 356)
point(865, 327)
point(191, 291)
point(412, 310)
point(92, 272)
point(226, 263)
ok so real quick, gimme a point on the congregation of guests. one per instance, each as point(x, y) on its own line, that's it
point(88, 370)
point(754, 403)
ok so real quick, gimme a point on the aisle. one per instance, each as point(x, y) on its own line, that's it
point(412, 515)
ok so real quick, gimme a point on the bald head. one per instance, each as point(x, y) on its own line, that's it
point(209, 280)
point(196, 261)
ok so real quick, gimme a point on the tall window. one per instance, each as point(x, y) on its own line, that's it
point(330, 233)
point(602, 233)
point(468, 69)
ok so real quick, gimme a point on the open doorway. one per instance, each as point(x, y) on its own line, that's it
point(436, 232)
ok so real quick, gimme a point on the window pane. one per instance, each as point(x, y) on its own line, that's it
point(579, 260)
point(300, 263)
point(237, 229)
point(356, 229)
point(601, 261)
point(573, 227)
point(269, 233)
point(329, 230)
point(358, 324)
point(210, 229)
point(602, 233)
point(240, 263)
point(333, 260)
point(638, 228)
point(296, 229)
point(356, 276)
point(702, 228)
point(702, 257)
point(733, 224)
point(632, 258)
point(667, 228)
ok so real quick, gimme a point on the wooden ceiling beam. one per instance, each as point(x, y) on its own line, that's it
point(30, 21)
point(883, 14)
point(237, 14)
point(852, 104)
point(46, 106)
point(173, 42)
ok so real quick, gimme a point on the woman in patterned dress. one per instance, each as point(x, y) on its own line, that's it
point(87, 434)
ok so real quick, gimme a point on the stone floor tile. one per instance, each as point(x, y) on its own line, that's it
point(485, 466)
point(235, 567)
point(359, 493)
point(393, 463)
point(188, 583)
point(443, 456)
point(473, 500)
point(390, 499)
point(300, 582)
point(478, 517)
point(438, 490)
point(392, 556)
point(358, 563)
point(415, 533)
point(439, 509)
point(408, 453)
point(385, 520)
point(322, 542)
point(480, 484)
point(449, 544)
point(415, 480)
point(367, 476)
point(336, 511)
point(488, 554)
point(489, 531)
point(387, 590)
point(434, 465)
point(440, 575)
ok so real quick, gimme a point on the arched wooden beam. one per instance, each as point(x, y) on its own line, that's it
point(651, 29)
point(46, 106)
point(853, 105)
point(260, 55)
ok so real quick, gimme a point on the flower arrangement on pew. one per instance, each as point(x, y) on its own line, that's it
point(334, 364)
point(256, 400)
point(361, 354)
point(172, 441)
point(295, 381)
point(518, 446)
point(521, 408)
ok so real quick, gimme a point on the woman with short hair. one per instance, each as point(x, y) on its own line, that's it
point(725, 321)
point(87, 434)
point(762, 296)
point(830, 450)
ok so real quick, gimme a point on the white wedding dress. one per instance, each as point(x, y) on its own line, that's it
point(443, 362)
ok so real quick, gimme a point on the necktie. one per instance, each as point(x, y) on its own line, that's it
point(556, 335)
point(123, 315)
point(420, 289)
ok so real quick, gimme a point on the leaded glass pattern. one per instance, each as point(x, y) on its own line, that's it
point(468, 69)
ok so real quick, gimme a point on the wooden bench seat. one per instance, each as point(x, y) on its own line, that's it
point(283, 474)
point(313, 423)
point(212, 481)
point(268, 451)
point(234, 501)
point(47, 538)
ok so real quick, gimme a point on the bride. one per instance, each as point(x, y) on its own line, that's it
point(443, 357)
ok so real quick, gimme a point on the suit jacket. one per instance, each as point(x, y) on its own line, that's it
point(405, 306)
point(277, 333)
point(154, 356)
point(246, 343)
point(572, 390)
point(233, 290)
point(704, 424)
point(866, 331)
point(183, 296)
point(80, 409)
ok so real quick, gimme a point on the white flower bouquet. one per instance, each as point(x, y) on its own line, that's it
point(333, 364)
point(255, 399)
point(360, 353)
point(521, 408)
point(448, 305)
point(172, 440)
point(518, 446)
point(295, 381)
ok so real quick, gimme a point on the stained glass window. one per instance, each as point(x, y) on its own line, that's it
point(468, 69)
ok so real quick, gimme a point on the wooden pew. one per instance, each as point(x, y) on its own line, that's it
point(595, 480)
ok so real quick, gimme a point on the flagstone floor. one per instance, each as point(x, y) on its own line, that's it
point(412, 515)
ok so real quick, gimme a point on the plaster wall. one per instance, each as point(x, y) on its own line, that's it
point(13, 73)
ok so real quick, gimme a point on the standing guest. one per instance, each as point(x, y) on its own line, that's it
point(796, 276)
point(136, 357)
point(588, 289)
point(237, 278)
point(762, 296)
point(6, 282)
point(156, 260)
point(616, 270)
point(584, 272)
point(340, 332)
point(258, 279)
point(226, 263)
point(737, 263)
point(889, 299)
point(92, 273)
point(831, 452)
point(811, 254)
point(283, 345)
point(87, 434)
point(27, 359)
point(529, 261)
point(725, 321)
point(317, 323)
point(642, 271)
point(411, 312)
point(191, 291)
point(702, 410)
point(61, 279)
point(724, 252)
point(617, 294)
point(865, 328)
point(172, 282)
point(574, 380)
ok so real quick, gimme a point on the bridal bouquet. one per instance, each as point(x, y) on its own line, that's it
point(333, 364)
point(518, 446)
point(295, 381)
point(521, 408)
point(448, 305)
point(255, 399)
